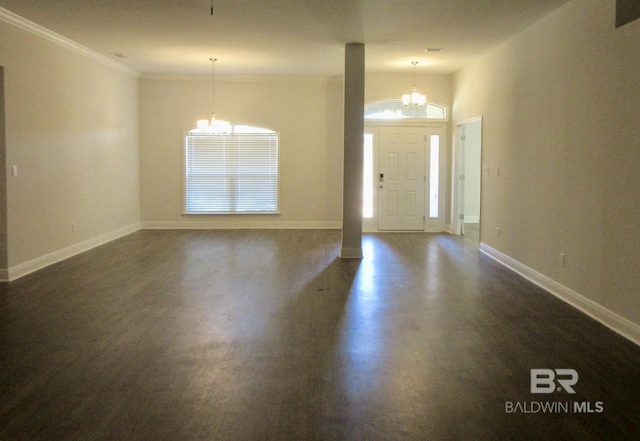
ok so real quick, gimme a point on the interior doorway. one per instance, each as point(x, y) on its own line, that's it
point(468, 178)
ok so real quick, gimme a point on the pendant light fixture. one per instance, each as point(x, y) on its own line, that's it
point(415, 99)
point(214, 125)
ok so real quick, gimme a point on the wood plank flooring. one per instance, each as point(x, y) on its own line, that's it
point(266, 335)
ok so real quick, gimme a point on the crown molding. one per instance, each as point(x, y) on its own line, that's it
point(29, 26)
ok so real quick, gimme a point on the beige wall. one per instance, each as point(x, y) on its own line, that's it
point(72, 131)
point(561, 105)
point(307, 113)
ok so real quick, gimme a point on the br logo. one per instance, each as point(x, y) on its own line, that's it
point(546, 381)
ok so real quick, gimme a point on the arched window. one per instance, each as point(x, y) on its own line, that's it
point(234, 172)
point(395, 109)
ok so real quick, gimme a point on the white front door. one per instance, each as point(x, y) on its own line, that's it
point(401, 178)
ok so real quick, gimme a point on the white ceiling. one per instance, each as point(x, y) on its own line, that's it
point(295, 37)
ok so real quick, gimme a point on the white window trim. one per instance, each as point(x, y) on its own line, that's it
point(405, 119)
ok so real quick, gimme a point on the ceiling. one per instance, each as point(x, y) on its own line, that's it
point(294, 37)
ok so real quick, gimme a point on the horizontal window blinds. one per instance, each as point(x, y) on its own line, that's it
point(232, 173)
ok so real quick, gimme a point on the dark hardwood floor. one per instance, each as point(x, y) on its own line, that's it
point(266, 335)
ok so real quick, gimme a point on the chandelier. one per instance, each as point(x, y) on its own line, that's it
point(214, 125)
point(415, 99)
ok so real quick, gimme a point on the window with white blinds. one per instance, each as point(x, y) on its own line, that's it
point(231, 173)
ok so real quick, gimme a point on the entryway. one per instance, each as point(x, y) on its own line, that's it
point(404, 171)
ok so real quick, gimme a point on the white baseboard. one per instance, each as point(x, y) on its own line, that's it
point(351, 253)
point(610, 319)
point(13, 273)
point(426, 230)
point(241, 225)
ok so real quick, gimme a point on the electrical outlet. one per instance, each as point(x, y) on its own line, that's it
point(74, 227)
point(166, 208)
point(562, 260)
point(485, 171)
point(498, 232)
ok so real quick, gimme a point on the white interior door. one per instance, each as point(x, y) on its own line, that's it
point(401, 179)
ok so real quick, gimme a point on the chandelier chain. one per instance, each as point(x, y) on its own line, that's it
point(213, 88)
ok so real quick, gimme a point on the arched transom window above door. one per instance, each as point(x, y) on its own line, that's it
point(395, 109)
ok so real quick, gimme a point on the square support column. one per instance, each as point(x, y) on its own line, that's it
point(353, 151)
